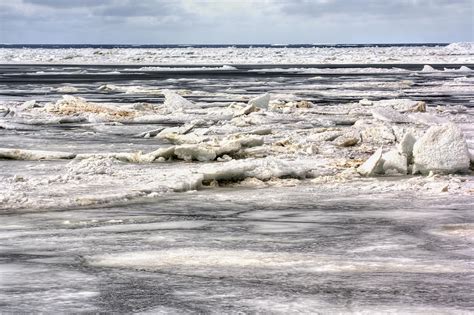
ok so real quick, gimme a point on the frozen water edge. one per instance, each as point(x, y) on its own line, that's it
point(454, 53)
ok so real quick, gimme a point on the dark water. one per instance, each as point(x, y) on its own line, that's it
point(328, 85)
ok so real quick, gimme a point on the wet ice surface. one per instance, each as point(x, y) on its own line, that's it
point(279, 250)
point(283, 224)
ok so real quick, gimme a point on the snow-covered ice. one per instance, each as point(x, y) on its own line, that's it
point(219, 188)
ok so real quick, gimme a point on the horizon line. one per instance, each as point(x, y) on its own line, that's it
point(230, 44)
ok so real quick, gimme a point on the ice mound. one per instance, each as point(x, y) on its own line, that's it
point(395, 161)
point(461, 48)
point(464, 69)
point(92, 166)
point(189, 152)
point(442, 150)
point(428, 68)
point(199, 151)
point(262, 169)
point(196, 150)
point(71, 105)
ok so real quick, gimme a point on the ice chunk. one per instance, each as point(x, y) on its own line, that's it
point(34, 155)
point(228, 147)
point(133, 157)
point(427, 119)
point(461, 48)
point(388, 114)
point(465, 69)
point(366, 102)
point(378, 133)
point(165, 153)
point(406, 145)
point(248, 141)
point(394, 160)
point(91, 166)
point(374, 165)
point(442, 149)
point(428, 68)
point(329, 135)
point(182, 130)
point(347, 140)
point(175, 102)
point(246, 110)
point(189, 152)
point(262, 169)
point(260, 101)
point(402, 105)
point(71, 105)
point(28, 105)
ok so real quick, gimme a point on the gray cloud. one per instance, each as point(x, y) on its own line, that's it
point(235, 21)
point(61, 4)
point(378, 8)
point(140, 8)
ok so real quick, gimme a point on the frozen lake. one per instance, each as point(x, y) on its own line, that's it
point(126, 197)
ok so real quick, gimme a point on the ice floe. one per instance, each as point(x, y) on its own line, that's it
point(34, 155)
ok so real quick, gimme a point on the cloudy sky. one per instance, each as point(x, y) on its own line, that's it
point(235, 21)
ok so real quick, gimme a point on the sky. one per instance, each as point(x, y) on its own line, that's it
point(235, 21)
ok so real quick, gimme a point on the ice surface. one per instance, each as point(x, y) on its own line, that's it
point(176, 185)
point(216, 259)
point(455, 52)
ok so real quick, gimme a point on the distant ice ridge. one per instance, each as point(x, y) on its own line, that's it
point(223, 68)
point(159, 58)
point(461, 48)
